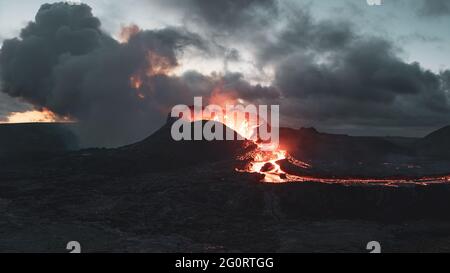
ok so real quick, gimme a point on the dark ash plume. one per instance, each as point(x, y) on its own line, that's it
point(64, 62)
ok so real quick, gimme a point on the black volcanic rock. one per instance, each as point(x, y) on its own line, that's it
point(268, 167)
point(212, 208)
point(187, 197)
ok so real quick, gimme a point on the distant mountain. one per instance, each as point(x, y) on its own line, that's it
point(328, 152)
point(27, 142)
point(310, 145)
point(436, 144)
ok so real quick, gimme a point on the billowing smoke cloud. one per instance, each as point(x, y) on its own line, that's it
point(64, 62)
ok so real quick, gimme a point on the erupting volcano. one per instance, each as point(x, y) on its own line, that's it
point(266, 158)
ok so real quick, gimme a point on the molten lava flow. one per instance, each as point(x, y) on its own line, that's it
point(264, 159)
point(266, 163)
point(35, 116)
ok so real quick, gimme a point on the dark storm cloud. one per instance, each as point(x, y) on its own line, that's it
point(357, 90)
point(63, 61)
point(232, 84)
point(303, 34)
point(235, 81)
point(368, 70)
point(229, 15)
point(434, 8)
point(331, 76)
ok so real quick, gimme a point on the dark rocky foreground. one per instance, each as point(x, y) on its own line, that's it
point(211, 208)
point(163, 196)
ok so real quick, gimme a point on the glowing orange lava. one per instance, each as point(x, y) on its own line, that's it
point(266, 163)
point(265, 158)
point(35, 116)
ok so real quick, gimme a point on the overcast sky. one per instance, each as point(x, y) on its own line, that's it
point(268, 41)
point(424, 36)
